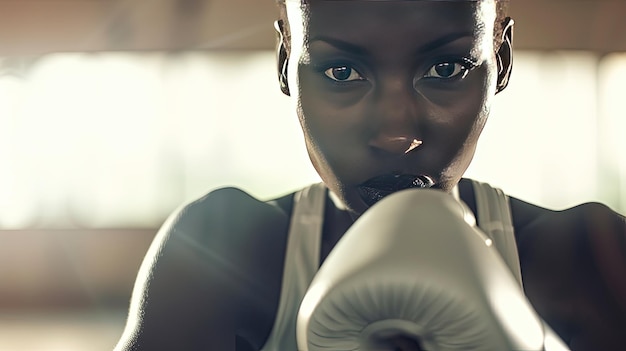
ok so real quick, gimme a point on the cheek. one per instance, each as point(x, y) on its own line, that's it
point(473, 113)
point(478, 100)
point(483, 100)
point(335, 132)
point(460, 118)
point(321, 126)
point(330, 119)
point(326, 140)
point(458, 115)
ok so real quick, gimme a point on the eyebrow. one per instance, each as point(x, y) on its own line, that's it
point(341, 45)
point(359, 50)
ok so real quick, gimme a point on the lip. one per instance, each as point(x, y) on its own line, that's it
point(375, 189)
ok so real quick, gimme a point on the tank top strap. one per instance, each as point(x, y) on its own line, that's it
point(301, 264)
point(495, 220)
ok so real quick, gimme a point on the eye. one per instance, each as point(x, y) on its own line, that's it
point(343, 74)
point(449, 70)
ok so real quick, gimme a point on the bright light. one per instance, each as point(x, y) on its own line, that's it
point(120, 139)
point(541, 141)
point(612, 75)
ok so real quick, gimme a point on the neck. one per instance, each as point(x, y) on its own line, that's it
point(337, 220)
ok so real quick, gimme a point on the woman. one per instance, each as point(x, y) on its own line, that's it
point(390, 95)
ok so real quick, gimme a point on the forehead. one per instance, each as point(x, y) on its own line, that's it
point(387, 14)
point(394, 21)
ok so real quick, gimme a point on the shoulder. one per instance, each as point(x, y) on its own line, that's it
point(232, 222)
point(591, 226)
point(591, 219)
point(226, 225)
point(216, 262)
point(225, 213)
point(573, 263)
point(226, 204)
point(239, 239)
point(592, 229)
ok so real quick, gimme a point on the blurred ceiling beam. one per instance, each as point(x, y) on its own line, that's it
point(36, 27)
point(595, 25)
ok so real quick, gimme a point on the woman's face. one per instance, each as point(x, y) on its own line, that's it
point(369, 77)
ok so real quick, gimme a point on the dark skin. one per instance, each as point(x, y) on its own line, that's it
point(212, 278)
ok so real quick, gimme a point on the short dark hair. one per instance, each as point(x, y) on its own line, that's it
point(502, 9)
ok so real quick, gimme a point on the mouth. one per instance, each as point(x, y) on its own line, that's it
point(377, 188)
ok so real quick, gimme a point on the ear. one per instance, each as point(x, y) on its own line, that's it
point(504, 55)
point(282, 56)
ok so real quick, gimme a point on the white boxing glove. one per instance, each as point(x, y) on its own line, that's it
point(415, 265)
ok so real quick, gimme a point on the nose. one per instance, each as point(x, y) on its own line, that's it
point(398, 114)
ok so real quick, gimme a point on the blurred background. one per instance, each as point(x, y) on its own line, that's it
point(115, 112)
